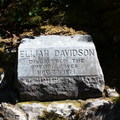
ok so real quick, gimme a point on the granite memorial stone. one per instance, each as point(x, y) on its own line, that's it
point(59, 67)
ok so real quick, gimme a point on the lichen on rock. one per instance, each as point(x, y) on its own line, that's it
point(11, 112)
point(90, 109)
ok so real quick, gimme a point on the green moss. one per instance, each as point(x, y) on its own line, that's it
point(76, 103)
point(35, 20)
point(31, 102)
point(32, 21)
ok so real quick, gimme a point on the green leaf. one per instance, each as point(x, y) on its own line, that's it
point(30, 13)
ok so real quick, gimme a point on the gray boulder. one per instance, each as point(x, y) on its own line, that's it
point(59, 67)
point(11, 112)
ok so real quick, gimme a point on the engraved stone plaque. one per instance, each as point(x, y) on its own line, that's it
point(59, 67)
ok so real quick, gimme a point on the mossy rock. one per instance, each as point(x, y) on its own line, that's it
point(51, 116)
point(76, 103)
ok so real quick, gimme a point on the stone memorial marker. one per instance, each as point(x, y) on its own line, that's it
point(59, 67)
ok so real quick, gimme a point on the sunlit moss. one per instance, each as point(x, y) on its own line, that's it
point(1, 70)
point(76, 103)
point(115, 99)
point(59, 30)
point(32, 102)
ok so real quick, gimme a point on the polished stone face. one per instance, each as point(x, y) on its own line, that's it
point(59, 67)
